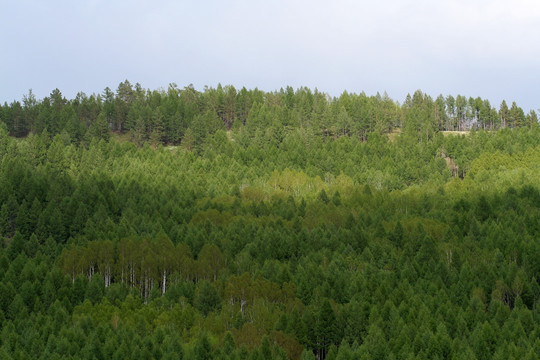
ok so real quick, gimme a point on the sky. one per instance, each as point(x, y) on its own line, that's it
point(486, 48)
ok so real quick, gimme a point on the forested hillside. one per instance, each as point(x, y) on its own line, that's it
point(241, 225)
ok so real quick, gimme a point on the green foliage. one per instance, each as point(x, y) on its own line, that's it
point(202, 349)
point(207, 298)
point(285, 225)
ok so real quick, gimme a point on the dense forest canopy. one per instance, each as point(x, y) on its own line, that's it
point(230, 224)
point(188, 115)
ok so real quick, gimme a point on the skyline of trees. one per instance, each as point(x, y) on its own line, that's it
point(167, 116)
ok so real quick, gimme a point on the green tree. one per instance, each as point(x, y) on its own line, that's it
point(188, 140)
point(202, 349)
point(532, 119)
point(504, 113)
point(325, 329)
point(16, 246)
point(95, 289)
point(207, 298)
point(158, 129)
point(100, 129)
point(210, 262)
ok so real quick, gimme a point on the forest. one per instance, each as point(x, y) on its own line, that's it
point(251, 225)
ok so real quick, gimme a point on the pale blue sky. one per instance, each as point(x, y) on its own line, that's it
point(474, 48)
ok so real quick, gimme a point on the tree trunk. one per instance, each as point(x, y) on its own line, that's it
point(164, 282)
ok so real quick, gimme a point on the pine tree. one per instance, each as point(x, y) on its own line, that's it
point(207, 298)
point(16, 246)
point(325, 329)
point(202, 349)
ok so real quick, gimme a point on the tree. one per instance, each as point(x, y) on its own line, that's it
point(157, 133)
point(95, 289)
point(461, 112)
point(188, 140)
point(419, 117)
point(451, 111)
point(485, 115)
point(139, 132)
point(266, 351)
point(207, 298)
point(532, 119)
point(202, 349)
point(325, 329)
point(210, 262)
point(105, 260)
point(397, 234)
point(17, 309)
point(503, 113)
point(16, 246)
point(57, 102)
point(73, 126)
point(99, 128)
point(8, 216)
point(516, 116)
point(165, 253)
point(344, 122)
point(324, 197)
point(124, 99)
point(228, 345)
point(30, 107)
point(32, 245)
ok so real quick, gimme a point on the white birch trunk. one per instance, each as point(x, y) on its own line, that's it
point(164, 282)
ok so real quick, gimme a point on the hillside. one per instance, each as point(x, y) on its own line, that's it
point(286, 234)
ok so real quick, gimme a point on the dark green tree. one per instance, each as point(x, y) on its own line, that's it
point(207, 298)
point(325, 329)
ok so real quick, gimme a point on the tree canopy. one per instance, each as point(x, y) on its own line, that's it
point(241, 224)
